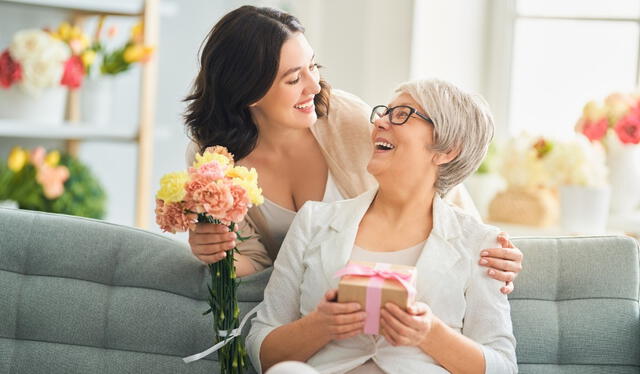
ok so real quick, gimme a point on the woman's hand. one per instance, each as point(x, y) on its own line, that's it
point(504, 263)
point(410, 328)
point(338, 320)
point(209, 241)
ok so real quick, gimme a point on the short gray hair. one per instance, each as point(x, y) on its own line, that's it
point(461, 121)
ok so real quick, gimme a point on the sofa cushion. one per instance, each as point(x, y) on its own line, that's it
point(81, 295)
point(575, 305)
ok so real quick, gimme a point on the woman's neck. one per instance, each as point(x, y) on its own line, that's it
point(282, 141)
point(404, 204)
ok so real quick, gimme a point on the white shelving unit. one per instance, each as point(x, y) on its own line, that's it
point(72, 130)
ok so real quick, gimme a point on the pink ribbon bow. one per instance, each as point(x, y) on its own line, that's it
point(377, 276)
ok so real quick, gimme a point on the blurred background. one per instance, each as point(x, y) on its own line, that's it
point(560, 77)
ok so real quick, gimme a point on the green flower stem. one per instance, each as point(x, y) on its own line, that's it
point(224, 308)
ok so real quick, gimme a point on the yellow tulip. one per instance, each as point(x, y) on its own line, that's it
point(137, 53)
point(137, 33)
point(88, 57)
point(64, 31)
point(52, 159)
point(17, 159)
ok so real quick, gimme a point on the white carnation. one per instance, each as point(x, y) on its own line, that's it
point(577, 162)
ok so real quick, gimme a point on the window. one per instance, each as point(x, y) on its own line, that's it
point(561, 55)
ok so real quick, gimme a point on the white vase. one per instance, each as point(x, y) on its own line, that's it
point(483, 188)
point(96, 101)
point(623, 161)
point(584, 210)
point(44, 109)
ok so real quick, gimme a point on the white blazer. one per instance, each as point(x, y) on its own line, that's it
point(450, 281)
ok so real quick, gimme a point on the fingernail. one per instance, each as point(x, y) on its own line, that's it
point(484, 262)
point(484, 253)
point(492, 272)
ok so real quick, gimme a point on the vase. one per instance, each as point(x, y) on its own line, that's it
point(46, 108)
point(8, 204)
point(584, 210)
point(623, 161)
point(525, 206)
point(96, 101)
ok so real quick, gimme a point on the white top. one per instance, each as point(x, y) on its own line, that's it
point(450, 281)
point(407, 256)
point(279, 218)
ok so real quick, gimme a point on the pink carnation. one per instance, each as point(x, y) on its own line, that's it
point(73, 72)
point(628, 128)
point(172, 217)
point(211, 170)
point(214, 198)
point(595, 130)
point(10, 70)
point(240, 205)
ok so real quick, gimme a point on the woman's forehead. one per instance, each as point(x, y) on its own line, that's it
point(296, 52)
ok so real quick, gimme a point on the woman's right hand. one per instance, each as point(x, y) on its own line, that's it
point(338, 320)
point(209, 241)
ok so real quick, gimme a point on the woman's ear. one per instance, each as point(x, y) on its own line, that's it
point(445, 158)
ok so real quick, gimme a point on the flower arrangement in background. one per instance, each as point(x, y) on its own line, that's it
point(213, 190)
point(619, 114)
point(523, 162)
point(51, 182)
point(118, 60)
point(38, 59)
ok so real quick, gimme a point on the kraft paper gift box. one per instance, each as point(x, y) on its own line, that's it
point(372, 285)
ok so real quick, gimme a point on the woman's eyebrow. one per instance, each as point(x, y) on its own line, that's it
point(295, 69)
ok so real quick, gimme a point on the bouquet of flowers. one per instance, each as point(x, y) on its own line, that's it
point(618, 114)
point(51, 182)
point(213, 190)
point(39, 59)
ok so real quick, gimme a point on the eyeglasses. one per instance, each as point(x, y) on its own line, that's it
point(398, 115)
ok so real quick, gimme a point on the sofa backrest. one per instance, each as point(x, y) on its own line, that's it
point(84, 296)
point(575, 305)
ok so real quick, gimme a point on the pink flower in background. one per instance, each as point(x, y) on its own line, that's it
point(10, 70)
point(240, 204)
point(628, 128)
point(37, 156)
point(52, 180)
point(73, 72)
point(595, 130)
point(172, 217)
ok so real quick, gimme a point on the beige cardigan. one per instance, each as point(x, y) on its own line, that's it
point(345, 139)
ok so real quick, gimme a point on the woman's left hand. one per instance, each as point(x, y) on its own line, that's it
point(406, 328)
point(504, 263)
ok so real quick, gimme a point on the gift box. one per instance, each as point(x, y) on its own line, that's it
point(372, 285)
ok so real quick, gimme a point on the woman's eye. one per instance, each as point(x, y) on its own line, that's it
point(313, 67)
point(294, 81)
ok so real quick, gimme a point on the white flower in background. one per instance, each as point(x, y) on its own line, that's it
point(577, 162)
point(42, 58)
point(521, 164)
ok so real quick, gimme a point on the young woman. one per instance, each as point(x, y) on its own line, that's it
point(259, 93)
point(428, 140)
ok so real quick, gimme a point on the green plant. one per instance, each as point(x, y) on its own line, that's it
point(83, 195)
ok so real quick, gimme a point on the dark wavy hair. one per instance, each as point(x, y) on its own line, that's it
point(238, 65)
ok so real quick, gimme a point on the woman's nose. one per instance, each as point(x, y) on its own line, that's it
point(313, 85)
point(382, 123)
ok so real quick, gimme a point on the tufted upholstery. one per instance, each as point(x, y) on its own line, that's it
point(575, 306)
point(84, 296)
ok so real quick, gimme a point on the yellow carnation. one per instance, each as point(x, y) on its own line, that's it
point(52, 159)
point(172, 187)
point(17, 158)
point(247, 179)
point(208, 157)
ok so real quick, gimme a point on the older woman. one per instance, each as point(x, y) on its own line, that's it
point(428, 140)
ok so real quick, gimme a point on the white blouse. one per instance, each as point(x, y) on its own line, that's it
point(279, 218)
point(450, 281)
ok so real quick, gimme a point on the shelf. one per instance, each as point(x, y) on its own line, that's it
point(66, 131)
point(116, 7)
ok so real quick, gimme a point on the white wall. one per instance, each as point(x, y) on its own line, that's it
point(365, 45)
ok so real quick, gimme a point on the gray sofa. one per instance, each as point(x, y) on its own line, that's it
point(84, 296)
